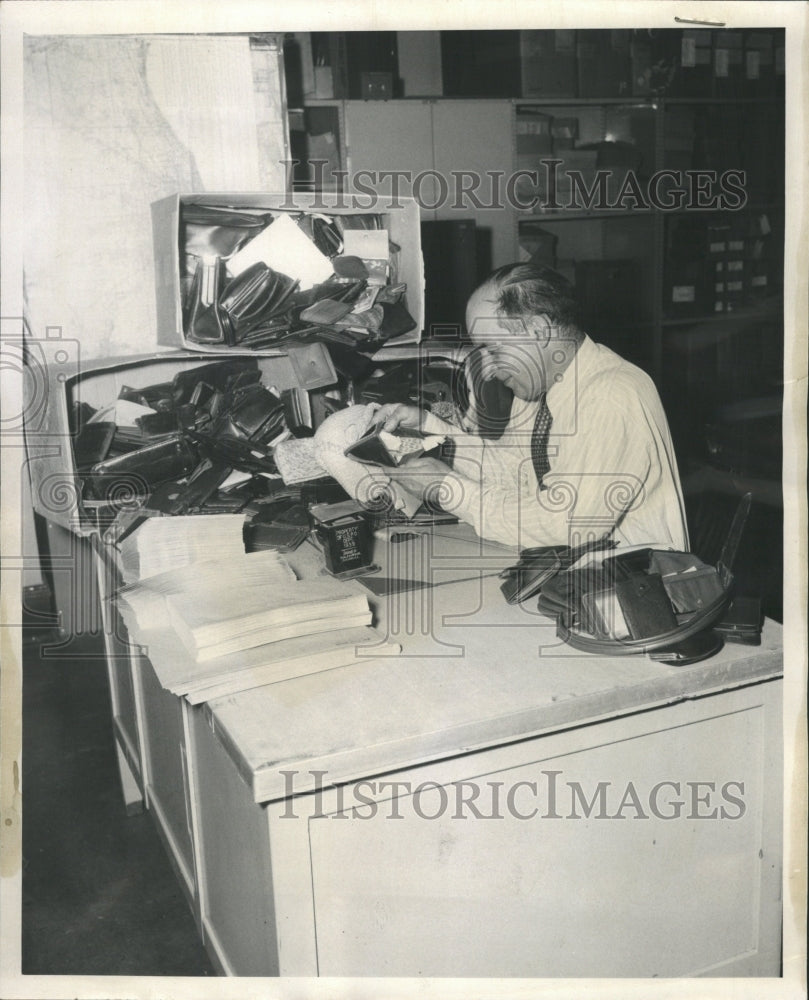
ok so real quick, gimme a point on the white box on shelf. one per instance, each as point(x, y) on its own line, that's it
point(401, 220)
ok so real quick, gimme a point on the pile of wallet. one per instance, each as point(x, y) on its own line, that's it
point(262, 306)
point(172, 448)
point(207, 423)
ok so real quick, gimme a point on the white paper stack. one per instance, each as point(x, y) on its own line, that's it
point(215, 628)
point(146, 599)
point(272, 663)
point(219, 622)
point(162, 544)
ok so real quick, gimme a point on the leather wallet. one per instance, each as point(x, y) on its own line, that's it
point(178, 496)
point(645, 605)
point(325, 312)
point(396, 320)
point(526, 579)
point(253, 298)
point(139, 471)
point(742, 621)
point(371, 447)
point(255, 413)
point(203, 320)
point(212, 231)
point(601, 615)
point(92, 444)
point(691, 650)
point(217, 375)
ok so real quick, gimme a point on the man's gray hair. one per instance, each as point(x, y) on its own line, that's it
point(522, 291)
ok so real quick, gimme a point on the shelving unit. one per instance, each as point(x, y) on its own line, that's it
point(578, 230)
point(685, 100)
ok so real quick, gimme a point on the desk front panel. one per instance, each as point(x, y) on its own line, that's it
point(616, 873)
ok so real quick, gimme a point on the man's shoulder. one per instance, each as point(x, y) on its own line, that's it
point(605, 370)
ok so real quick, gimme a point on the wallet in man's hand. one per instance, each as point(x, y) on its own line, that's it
point(383, 448)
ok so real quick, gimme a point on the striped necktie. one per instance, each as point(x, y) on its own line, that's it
point(539, 439)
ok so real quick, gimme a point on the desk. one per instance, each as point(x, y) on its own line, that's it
point(489, 803)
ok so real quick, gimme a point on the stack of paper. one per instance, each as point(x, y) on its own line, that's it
point(211, 628)
point(146, 599)
point(161, 544)
point(221, 622)
point(181, 674)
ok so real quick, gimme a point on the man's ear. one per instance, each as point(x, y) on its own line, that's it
point(542, 329)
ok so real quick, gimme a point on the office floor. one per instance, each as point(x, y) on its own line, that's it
point(99, 895)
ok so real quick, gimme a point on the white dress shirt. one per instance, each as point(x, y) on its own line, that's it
point(612, 464)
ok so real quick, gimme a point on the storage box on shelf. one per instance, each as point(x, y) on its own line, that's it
point(728, 64)
point(548, 61)
point(597, 63)
point(694, 72)
point(581, 155)
point(717, 263)
point(705, 63)
point(760, 76)
point(604, 63)
point(189, 253)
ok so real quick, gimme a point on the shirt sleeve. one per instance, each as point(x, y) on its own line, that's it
point(598, 473)
point(431, 424)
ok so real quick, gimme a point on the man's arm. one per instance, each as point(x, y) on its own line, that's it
point(598, 473)
point(392, 416)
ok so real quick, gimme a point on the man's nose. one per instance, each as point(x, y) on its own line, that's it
point(488, 367)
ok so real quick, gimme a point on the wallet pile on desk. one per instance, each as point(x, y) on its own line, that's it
point(216, 440)
point(202, 443)
point(253, 278)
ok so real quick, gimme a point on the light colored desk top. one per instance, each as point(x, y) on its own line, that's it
point(474, 673)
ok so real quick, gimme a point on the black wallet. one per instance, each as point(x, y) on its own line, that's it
point(526, 579)
point(141, 470)
point(253, 298)
point(203, 320)
point(645, 605)
point(371, 448)
point(742, 621)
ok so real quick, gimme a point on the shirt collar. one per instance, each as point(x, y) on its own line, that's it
point(585, 356)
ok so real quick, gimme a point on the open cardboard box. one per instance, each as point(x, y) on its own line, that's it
point(402, 223)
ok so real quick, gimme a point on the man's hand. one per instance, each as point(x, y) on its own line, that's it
point(420, 476)
point(394, 415)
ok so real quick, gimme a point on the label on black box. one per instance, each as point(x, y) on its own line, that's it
point(346, 543)
point(683, 293)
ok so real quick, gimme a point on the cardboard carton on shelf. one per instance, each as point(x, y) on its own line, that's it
point(604, 65)
point(175, 254)
point(548, 63)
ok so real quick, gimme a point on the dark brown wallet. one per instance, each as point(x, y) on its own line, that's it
point(203, 320)
point(253, 298)
point(646, 606)
point(139, 471)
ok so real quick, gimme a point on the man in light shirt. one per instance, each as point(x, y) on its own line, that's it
point(587, 451)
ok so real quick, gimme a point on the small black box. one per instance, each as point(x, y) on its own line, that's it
point(343, 531)
point(376, 86)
